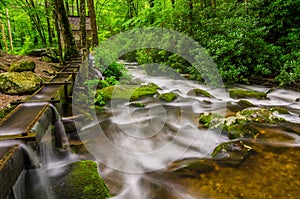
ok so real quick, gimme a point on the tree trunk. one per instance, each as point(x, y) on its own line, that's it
point(77, 6)
point(67, 8)
point(48, 23)
point(9, 31)
point(70, 50)
point(246, 2)
point(4, 36)
point(82, 24)
point(94, 32)
point(37, 22)
point(55, 14)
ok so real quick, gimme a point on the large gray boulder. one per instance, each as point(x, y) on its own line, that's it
point(22, 65)
point(15, 83)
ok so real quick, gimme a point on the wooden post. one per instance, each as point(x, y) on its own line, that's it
point(9, 31)
point(4, 36)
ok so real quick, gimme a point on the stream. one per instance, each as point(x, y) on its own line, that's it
point(141, 150)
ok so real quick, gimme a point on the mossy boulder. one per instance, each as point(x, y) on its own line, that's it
point(244, 122)
point(16, 83)
point(239, 93)
point(231, 152)
point(199, 93)
point(128, 92)
point(22, 65)
point(82, 181)
point(168, 97)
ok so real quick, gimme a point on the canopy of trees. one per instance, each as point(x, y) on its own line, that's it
point(248, 39)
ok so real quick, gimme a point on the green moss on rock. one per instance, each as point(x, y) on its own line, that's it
point(128, 92)
point(200, 93)
point(243, 124)
point(82, 182)
point(137, 104)
point(16, 83)
point(241, 130)
point(245, 104)
point(231, 152)
point(206, 119)
point(22, 65)
point(239, 93)
point(168, 97)
point(279, 110)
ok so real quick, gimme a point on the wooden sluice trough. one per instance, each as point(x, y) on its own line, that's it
point(29, 121)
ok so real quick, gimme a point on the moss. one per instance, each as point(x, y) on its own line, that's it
point(241, 130)
point(280, 110)
point(232, 152)
point(245, 104)
point(261, 115)
point(5, 111)
point(19, 83)
point(168, 97)
point(82, 182)
point(200, 93)
point(22, 65)
point(238, 94)
point(137, 104)
point(128, 92)
point(206, 118)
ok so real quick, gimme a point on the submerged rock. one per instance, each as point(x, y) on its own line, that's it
point(192, 166)
point(22, 65)
point(16, 83)
point(239, 93)
point(231, 152)
point(168, 97)
point(81, 181)
point(200, 93)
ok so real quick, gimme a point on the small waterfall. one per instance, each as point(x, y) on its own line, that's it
point(52, 153)
point(33, 182)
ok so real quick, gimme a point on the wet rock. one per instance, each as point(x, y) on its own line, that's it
point(244, 122)
point(261, 115)
point(245, 104)
point(200, 93)
point(22, 65)
point(16, 83)
point(128, 92)
point(232, 153)
point(168, 97)
point(241, 130)
point(209, 119)
point(239, 93)
point(192, 166)
point(137, 104)
point(80, 180)
point(279, 110)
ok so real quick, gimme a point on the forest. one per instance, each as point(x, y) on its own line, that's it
point(251, 41)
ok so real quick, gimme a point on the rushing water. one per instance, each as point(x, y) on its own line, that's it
point(138, 145)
